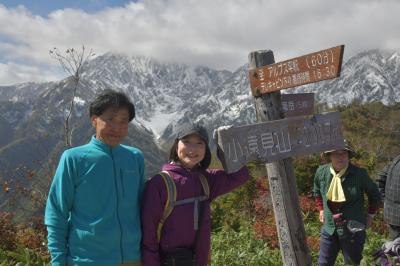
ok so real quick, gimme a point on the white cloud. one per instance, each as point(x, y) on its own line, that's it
point(215, 33)
point(12, 73)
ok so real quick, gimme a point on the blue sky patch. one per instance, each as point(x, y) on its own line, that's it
point(44, 7)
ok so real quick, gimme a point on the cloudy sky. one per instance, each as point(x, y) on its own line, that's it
point(215, 33)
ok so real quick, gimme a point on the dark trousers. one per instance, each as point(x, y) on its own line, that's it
point(351, 247)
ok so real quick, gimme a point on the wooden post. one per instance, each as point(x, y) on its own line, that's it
point(282, 182)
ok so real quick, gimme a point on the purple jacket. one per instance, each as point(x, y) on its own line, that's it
point(178, 229)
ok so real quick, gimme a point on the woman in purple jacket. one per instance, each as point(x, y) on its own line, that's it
point(185, 234)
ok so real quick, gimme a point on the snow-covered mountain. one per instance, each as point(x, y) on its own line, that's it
point(167, 93)
point(369, 76)
point(161, 92)
point(166, 96)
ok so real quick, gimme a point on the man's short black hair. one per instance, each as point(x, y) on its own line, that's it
point(111, 99)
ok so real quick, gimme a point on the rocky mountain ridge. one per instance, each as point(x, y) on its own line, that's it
point(166, 96)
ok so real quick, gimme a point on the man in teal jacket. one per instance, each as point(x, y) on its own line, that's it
point(339, 189)
point(93, 207)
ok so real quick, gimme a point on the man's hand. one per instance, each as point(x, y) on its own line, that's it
point(321, 216)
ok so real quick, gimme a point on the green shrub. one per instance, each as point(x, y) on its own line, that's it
point(229, 247)
point(22, 256)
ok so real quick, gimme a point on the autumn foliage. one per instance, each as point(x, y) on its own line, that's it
point(374, 131)
point(31, 235)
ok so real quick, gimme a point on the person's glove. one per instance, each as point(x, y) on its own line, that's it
point(381, 181)
point(220, 153)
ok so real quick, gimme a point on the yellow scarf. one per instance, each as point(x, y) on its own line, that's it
point(335, 192)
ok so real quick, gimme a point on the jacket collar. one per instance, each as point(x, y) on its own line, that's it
point(179, 169)
point(351, 169)
point(103, 146)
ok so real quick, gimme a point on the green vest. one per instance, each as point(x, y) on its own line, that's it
point(355, 183)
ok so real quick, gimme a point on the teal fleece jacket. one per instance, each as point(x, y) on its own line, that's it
point(93, 207)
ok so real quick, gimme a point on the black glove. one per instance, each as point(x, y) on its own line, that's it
point(381, 181)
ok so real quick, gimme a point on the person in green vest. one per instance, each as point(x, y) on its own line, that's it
point(339, 188)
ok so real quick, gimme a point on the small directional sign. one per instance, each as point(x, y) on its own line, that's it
point(322, 65)
point(278, 139)
point(297, 104)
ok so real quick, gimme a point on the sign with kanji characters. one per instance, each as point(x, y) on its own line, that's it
point(322, 65)
point(279, 139)
point(297, 104)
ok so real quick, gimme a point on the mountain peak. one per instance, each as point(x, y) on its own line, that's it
point(164, 92)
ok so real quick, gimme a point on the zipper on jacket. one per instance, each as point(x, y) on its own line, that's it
point(121, 177)
point(119, 221)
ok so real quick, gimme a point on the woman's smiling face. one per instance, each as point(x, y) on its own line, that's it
point(191, 150)
point(339, 159)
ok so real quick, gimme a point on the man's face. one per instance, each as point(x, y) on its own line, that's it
point(111, 126)
point(339, 159)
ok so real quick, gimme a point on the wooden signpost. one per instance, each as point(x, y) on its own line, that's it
point(322, 65)
point(279, 139)
point(266, 79)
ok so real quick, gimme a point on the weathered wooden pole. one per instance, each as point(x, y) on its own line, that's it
point(282, 182)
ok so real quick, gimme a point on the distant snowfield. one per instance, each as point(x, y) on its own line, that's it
point(159, 122)
point(79, 101)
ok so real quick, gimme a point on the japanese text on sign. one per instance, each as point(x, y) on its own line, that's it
point(297, 104)
point(322, 65)
point(279, 139)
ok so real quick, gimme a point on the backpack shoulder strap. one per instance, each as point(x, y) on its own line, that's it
point(205, 185)
point(169, 204)
point(171, 200)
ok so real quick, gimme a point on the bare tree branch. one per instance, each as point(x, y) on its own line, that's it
point(72, 62)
